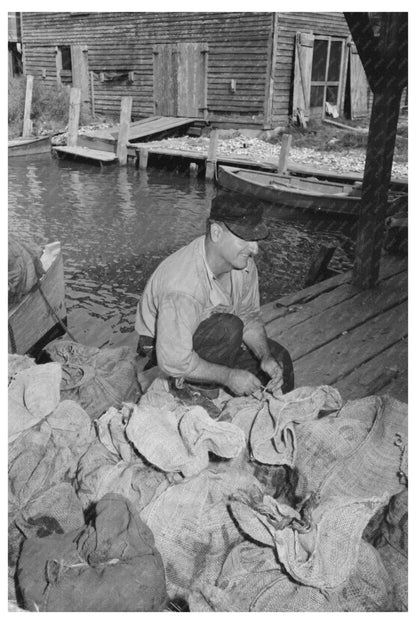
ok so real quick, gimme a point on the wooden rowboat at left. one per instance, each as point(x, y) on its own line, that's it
point(29, 146)
point(41, 315)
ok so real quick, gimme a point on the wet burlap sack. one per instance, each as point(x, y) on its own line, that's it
point(96, 378)
point(317, 544)
point(47, 453)
point(253, 580)
point(33, 394)
point(360, 452)
point(109, 565)
point(193, 528)
point(113, 465)
point(42, 461)
point(391, 540)
point(179, 438)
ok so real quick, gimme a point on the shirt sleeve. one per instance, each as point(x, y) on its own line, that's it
point(177, 321)
point(249, 304)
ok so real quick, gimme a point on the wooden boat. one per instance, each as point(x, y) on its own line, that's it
point(40, 316)
point(396, 184)
point(29, 146)
point(293, 192)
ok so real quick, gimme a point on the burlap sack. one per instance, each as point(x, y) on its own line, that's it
point(42, 462)
point(48, 453)
point(96, 378)
point(252, 580)
point(109, 565)
point(179, 438)
point(17, 363)
point(272, 435)
point(355, 454)
point(392, 546)
point(112, 465)
point(317, 545)
point(33, 394)
point(192, 526)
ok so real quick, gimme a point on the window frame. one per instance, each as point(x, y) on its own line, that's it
point(319, 111)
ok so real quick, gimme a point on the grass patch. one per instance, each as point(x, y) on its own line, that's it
point(328, 138)
point(49, 111)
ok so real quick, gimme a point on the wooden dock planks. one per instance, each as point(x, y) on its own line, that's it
point(339, 357)
point(344, 315)
point(86, 153)
point(353, 339)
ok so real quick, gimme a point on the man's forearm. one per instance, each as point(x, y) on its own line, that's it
point(256, 339)
point(209, 372)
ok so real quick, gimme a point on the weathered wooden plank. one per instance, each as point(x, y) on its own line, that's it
point(340, 357)
point(27, 123)
point(74, 114)
point(385, 373)
point(31, 318)
point(391, 265)
point(84, 152)
point(343, 317)
point(342, 295)
point(123, 130)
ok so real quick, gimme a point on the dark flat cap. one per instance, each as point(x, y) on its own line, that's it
point(242, 214)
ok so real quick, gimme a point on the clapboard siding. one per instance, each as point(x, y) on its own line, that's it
point(124, 42)
point(322, 23)
point(239, 49)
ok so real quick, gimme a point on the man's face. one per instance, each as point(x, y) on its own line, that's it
point(236, 251)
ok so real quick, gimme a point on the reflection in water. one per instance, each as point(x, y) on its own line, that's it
point(116, 224)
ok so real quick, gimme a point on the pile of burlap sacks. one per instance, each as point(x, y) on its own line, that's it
point(122, 501)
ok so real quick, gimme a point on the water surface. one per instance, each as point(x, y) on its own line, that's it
point(116, 224)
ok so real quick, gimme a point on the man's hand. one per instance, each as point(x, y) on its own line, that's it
point(242, 382)
point(274, 370)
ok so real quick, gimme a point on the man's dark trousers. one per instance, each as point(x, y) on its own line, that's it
point(219, 339)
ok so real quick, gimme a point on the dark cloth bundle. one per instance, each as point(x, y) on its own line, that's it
point(109, 565)
point(96, 378)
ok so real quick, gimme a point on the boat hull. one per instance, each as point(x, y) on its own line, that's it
point(290, 192)
point(27, 147)
point(32, 324)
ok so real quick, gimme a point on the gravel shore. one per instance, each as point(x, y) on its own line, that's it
point(252, 148)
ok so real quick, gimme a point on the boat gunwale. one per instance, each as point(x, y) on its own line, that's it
point(287, 190)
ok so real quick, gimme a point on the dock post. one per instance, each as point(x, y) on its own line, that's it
point(193, 169)
point(211, 164)
point(284, 153)
point(123, 132)
point(74, 114)
point(27, 123)
point(143, 158)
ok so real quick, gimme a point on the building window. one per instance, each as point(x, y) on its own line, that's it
point(64, 64)
point(327, 64)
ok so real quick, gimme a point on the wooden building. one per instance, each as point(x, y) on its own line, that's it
point(259, 69)
point(14, 45)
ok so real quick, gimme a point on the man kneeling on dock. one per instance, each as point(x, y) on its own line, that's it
point(199, 316)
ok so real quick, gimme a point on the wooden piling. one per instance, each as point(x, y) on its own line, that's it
point(211, 164)
point(92, 94)
point(143, 158)
point(27, 123)
point(284, 153)
point(123, 133)
point(193, 169)
point(74, 114)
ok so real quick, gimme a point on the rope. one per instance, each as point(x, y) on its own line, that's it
point(12, 339)
point(54, 314)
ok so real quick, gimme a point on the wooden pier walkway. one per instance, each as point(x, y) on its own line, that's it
point(106, 138)
point(354, 340)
